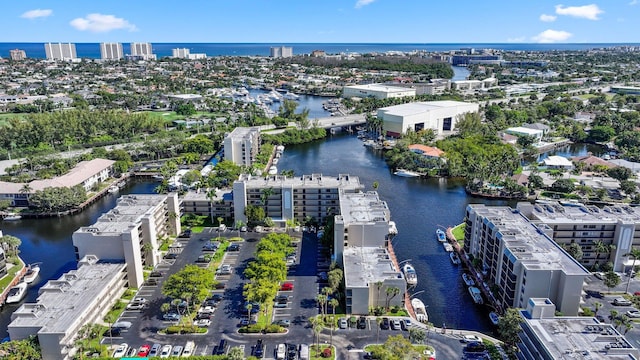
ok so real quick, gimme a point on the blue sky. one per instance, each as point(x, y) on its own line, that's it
point(322, 21)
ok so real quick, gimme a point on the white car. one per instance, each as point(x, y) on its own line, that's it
point(633, 313)
point(621, 302)
point(342, 323)
point(202, 323)
point(225, 269)
point(120, 350)
point(471, 338)
point(166, 351)
point(136, 306)
point(206, 310)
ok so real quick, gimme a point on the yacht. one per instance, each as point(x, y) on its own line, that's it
point(468, 280)
point(273, 170)
point(455, 259)
point(17, 293)
point(442, 237)
point(32, 273)
point(113, 189)
point(410, 274)
point(11, 217)
point(406, 173)
point(420, 310)
point(476, 294)
point(447, 247)
point(291, 96)
point(494, 318)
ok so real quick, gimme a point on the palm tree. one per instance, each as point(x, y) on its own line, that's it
point(600, 248)
point(220, 220)
point(378, 286)
point(597, 305)
point(391, 292)
point(321, 299)
point(635, 254)
point(378, 322)
point(316, 325)
point(26, 189)
point(334, 303)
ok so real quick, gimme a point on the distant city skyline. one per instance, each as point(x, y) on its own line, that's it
point(329, 21)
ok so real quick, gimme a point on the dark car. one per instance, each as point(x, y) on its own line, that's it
point(210, 246)
point(233, 247)
point(171, 256)
point(151, 282)
point(112, 332)
point(281, 298)
point(384, 325)
point(203, 259)
point(292, 352)
point(362, 322)
point(474, 348)
point(216, 297)
point(203, 316)
point(156, 274)
point(258, 350)
point(221, 349)
point(186, 233)
point(220, 285)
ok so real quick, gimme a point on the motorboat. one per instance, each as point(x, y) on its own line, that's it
point(113, 189)
point(410, 274)
point(476, 294)
point(494, 318)
point(121, 184)
point(420, 310)
point(17, 293)
point(455, 259)
point(291, 96)
point(442, 237)
point(273, 170)
point(468, 280)
point(447, 247)
point(406, 173)
point(32, 273)
point(11, 217)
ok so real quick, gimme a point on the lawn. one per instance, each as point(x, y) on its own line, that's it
point(315, 352)
point(458, 232)
point(4, 282)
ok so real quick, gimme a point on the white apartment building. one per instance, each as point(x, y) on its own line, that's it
point(60, 51)
point(316, 196)
point(242, 145)
point(440, 116)
point(521, 260)
point(281, 52)
point(378, 91)
point(361, 241)
point(17, 54)
point(547, 337)
point(587, 225)
point(78, 297)
point(184, 53)
point(111, 51)
point(142, 51)
point(123, 233)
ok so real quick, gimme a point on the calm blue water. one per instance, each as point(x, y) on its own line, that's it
point(92, 50)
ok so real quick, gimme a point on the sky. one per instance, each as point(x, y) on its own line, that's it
point(321, 21)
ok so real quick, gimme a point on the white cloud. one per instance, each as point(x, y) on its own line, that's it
point(551, 36)
point(101, 23)
point(361, 3)
point(633, 2)
point(548, 18)
point(37, 13)
point(590, 12)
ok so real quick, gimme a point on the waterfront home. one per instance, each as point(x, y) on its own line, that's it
point(558, 162)
point(427, 151)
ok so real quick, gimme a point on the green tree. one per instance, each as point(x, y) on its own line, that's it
point(417, 335)
point(601, 133)
point(620, 173)
point(390, 292)
point(509, 327)
point(611, 279)
point(12, 242)
point(629, 187)
point(574, 250)
point(21, 349)
point(396, 347)
point(563, 185)
point(191, 279)
point(185, 109)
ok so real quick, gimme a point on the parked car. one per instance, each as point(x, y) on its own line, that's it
point(151, 282)
point(165, 352)
point(176, 244)
point(225, 269)
point(155, 350)
point(395, 324)
point(280, 305)
point(120, 351)
point(621, 302)
point(362, 322)
point(156, 274)
point(406, 324)
point(221, 348)
point(633, 313)
point(186, 233)
point(233, 247)
point(471, 338)
point(342, 323)
point(122, 324)
point(220, 285)
point(286, 286)
point(206, 310)
point(144, 350)
point(281, 298)
point(323, 276)
point(112, 332)
point(292, 352)
point(136, 306)
point(258, 349)
point(243, 229)
point(201, 316)
point(283, 322)
point(209, 247)
point(188, 349)
point(171, 256)
point(203, 259)
point(171, 316)
point(281, 351)
point(202, 323)
point(177, 351)
point(131, 352)
point(384, 325)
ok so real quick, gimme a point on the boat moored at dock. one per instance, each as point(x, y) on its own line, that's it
point(442, 237)
point(455, 259)
point(17, 293)
point(468, 280)
point(406, 173)
point(410, 274)
point(493, 316)
point(476, 294)
point(447, 247)
point(420, 310)
point(32, 273)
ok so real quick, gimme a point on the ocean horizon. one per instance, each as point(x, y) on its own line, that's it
point(92, 50)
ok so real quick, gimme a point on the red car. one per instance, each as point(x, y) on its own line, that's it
point(144, 350)
point(286, 286)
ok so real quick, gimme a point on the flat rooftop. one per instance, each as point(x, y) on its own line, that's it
point(554, 213)
point(61, 302)
point(367, 265)
point(526, 243)
point(343, 181)
point(129, 210)
point(378, 87)
point(364, 207)
point(242, 132)
point(422, 107)
point(580, 338)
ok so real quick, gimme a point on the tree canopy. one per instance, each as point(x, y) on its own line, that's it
point(192, 280)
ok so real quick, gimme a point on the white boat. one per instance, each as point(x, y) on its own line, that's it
point(494, 318)
point(121, 184)
point(275, 161)
point(447, 247)
point(280, 148)
point(113, 189)
point(420, 310)
point(455, 259)
point(32, 273)
point(17, 293)
point(410, 274)
point(273, 170)
point(11, 217)
point(476, 294)
point(291, 96)
point(442, 237)
point(406, 173)
point(369, 142)
point(468, 280)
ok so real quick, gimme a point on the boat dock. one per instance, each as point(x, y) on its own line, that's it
point(407, 301)
point(16, 279)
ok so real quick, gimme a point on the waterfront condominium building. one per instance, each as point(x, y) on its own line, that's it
point(142, 51)
point(131, 232)
point(111, 51)
point(281, 52)
point(242, 145)
point(604, 234)
point(17, 54)
point(378, 91)
point(361, 244)
point(520, 261)
point(64, 306)
point(60, 51)
point(545, 336)
point(440, 116)
point(184, 53)
point(308, 196)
